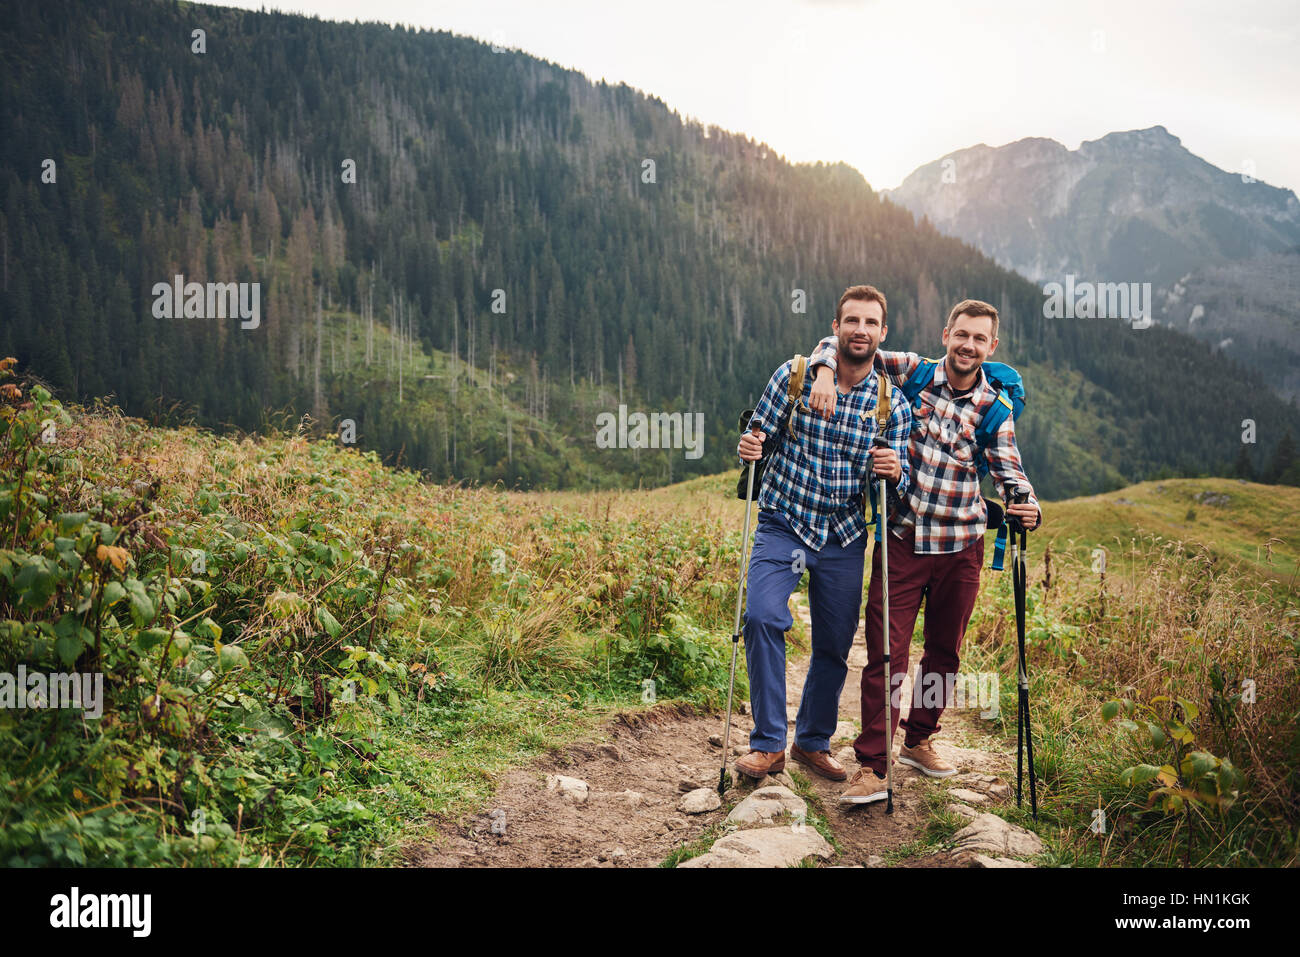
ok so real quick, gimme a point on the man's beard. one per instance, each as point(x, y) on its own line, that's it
point(865, 359)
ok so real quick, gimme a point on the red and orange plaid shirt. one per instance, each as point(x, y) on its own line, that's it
point(943, 503)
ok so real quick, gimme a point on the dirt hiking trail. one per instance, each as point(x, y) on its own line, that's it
point(648, 787)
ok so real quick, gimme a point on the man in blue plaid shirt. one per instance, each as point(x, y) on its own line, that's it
point(811, 516)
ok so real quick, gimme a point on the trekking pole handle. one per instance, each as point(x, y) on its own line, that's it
point(1017, 497)
point(879, 442)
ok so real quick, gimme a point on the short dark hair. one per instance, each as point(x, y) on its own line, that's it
point(974, 308)
point(867, 293)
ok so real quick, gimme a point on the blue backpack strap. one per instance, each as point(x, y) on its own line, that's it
point(992, 420)
point(984, 432)
point(921, 377)
point(999, 547)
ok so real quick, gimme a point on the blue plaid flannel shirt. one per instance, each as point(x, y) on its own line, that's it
point(817, 476)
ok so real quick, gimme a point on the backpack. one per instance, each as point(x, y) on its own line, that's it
point(794, 392)
point(1010, 389)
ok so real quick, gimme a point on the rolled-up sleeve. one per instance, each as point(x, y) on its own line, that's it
point(771, 409)
point(1005, 466)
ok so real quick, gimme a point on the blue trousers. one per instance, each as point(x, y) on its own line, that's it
point(835, 594)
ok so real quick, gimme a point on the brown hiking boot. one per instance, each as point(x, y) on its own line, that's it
point(759, 764)
point(925, 759)
point(864, 788)
point(819, 761)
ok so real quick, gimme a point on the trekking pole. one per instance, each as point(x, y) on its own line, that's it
point(882, 421)
point(735, 632)
point(1024, 733)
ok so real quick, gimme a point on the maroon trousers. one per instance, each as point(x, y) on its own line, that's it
point(951, 582)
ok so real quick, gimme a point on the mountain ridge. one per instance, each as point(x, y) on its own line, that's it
point(409, 199)
point(1024, 202)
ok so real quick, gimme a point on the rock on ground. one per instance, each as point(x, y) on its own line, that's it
point(983, 860)
point(969, 796)
point(571, 789)
point(767, 805)
point(975, 779)
point(969, 760)
point(988, 832)
point(630, 798)
point(781, 778)
point(700, 801)
point(764, 847)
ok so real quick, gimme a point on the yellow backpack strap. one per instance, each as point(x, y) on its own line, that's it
point(798, 368)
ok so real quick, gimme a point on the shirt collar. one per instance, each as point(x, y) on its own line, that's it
point(981, 383)
point(868, 385)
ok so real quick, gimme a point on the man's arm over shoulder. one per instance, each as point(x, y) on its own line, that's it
point(899, 366)
point(824, 355)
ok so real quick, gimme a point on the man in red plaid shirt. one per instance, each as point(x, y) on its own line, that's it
point(938, 542)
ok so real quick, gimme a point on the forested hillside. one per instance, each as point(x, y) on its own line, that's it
point(472, 254)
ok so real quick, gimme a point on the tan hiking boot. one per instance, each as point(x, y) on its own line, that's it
point(820, 762)
point(759, 764)
point(925, 759)
point(864, 788)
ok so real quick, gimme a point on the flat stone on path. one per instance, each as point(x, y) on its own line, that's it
point(969, 796)
point(781, 778)
point(967, 760)
point(982, 860)
point(988, 832)
point(700, 801)
point(764, 847)
point(571, 789)
point(975, 779)
point(767, 805)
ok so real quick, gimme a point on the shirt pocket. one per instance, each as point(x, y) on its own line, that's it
point(965, 450)
point(922, 416)
point(856, 445)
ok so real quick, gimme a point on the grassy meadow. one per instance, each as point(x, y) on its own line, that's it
point(308, 656)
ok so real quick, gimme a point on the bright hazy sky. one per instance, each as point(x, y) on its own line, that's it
point(887, 85)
